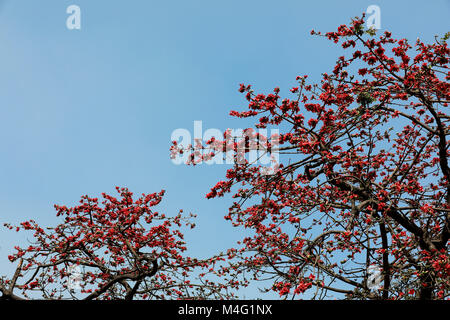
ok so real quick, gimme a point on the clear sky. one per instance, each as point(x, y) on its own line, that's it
point(83, 111)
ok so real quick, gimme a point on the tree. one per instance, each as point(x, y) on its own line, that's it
point(363, 181)
point(126, 251)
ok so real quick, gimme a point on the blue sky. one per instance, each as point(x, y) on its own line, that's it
point(83, 111)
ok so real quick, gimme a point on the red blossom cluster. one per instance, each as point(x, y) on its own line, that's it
point(126, 250)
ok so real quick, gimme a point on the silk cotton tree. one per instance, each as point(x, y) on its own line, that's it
point(363, 180)
point(120, 248)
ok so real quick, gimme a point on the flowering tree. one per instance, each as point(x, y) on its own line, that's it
point(119, 249)
point(363, 184)
point(358, 205)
